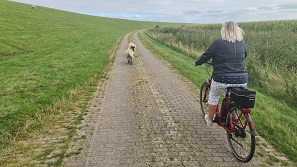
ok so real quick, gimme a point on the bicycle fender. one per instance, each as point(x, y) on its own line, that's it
point(254, 132)
point(251, 124)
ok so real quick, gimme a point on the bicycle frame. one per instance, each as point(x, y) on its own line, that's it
point(246, 113)
point(222, 116)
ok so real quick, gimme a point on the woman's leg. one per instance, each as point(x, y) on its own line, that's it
point(211, 111)
point(216, 90)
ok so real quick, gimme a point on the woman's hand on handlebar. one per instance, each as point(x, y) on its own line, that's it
point(208, 62)
point(196, 64)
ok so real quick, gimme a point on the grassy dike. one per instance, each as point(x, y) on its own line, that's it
point(50, 63)
point(274, 120)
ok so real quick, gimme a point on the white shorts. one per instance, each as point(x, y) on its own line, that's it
point(217, 89)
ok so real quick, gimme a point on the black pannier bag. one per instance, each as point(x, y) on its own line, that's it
point(243, 97)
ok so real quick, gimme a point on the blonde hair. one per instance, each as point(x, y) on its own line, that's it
point(231, 32)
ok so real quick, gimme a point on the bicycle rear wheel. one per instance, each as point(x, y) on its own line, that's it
point(204, 92)
point(241, 142)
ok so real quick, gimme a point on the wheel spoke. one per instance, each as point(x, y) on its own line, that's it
point(236, 141)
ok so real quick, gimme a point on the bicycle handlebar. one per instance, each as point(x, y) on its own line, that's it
point(209, 63)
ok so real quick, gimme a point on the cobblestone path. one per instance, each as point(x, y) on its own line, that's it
point(148, 115)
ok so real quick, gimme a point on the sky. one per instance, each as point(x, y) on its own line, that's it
point(178, 11)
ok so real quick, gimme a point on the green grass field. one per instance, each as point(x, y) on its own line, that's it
point(50, 60)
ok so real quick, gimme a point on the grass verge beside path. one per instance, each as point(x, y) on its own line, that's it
point(275, 121)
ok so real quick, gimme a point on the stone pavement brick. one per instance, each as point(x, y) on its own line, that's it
point(149, 116)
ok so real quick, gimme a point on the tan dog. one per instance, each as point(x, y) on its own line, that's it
point(130, 55)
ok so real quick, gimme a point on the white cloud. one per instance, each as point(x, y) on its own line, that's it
point(192, 11)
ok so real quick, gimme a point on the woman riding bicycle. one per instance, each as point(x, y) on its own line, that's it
point(228, 54)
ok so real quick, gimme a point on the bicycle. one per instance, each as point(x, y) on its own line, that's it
point(234, 116)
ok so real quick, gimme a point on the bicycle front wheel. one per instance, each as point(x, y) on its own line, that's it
point(241, 142)
point(204, 92)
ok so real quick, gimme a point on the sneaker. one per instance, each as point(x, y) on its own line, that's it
point(207, 120)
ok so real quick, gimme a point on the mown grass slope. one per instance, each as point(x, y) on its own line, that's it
point(44, 55)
